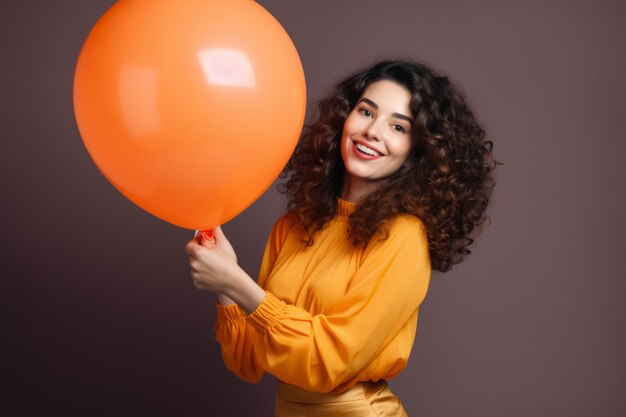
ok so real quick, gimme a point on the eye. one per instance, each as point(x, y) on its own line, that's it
point(399, 128)
point(365, 112)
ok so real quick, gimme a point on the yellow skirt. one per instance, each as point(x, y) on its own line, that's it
point(365, 399)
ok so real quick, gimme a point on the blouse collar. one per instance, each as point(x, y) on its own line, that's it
point(344, 207)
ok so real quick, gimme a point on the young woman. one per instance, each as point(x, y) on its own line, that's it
point(389, 182)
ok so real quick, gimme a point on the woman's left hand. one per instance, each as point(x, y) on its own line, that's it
point(212, 268)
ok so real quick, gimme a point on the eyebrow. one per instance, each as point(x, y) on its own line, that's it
point(398, 115)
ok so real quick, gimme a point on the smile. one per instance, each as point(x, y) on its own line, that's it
point(364, 152)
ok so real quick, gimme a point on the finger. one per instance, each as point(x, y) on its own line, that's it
point(191, 247)
point(200, 285)
point(219, 233)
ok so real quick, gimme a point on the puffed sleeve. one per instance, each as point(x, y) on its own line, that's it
point(324, 351)
point(234, 334)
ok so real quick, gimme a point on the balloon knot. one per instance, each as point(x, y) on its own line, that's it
point(208, 234)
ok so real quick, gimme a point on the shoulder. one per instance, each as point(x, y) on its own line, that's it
point(404, 247)
point(283, 225)
point(285, 221)
point(406, 226)
point(403, 232)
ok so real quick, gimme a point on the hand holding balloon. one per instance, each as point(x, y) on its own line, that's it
point(212, 263)
point(219, 238)
point(214, 268)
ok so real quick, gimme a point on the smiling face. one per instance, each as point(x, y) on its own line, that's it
point(376, 137)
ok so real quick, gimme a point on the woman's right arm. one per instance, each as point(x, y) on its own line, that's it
point(236, 339)
point(232, 331)
point(224, 300)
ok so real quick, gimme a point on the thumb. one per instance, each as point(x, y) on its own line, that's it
point(219, 234)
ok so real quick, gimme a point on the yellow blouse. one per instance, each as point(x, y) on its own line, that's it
point(332, 315)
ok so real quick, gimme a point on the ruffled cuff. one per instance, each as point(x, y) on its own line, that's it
point(267, 313)
point(229, 312)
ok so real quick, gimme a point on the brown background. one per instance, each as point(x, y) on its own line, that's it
point(99, 316)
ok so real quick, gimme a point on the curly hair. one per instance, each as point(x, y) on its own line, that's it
point(446, 180)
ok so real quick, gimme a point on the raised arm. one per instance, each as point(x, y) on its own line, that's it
point(232, 331)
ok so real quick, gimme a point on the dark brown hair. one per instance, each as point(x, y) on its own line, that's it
point(446, 180)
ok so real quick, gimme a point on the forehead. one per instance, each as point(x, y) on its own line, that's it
point(389, 96)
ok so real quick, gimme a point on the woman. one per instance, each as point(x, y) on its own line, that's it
point(388, 183)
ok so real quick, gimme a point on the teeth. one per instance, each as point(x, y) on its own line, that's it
point(366, 149)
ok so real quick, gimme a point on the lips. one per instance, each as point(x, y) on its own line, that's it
point(362, 155)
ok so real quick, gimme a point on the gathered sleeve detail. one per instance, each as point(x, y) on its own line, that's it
point(236, 339)
point(326, 352)
point(267, 313)
point(229, 312)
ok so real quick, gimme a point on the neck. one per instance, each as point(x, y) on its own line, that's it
point(353, 189)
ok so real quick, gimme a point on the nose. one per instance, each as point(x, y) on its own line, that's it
point(373, 130)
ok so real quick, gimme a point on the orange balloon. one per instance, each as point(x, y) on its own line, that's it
point(189, 108)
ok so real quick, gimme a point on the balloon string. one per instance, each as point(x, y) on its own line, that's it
point(207, 234)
